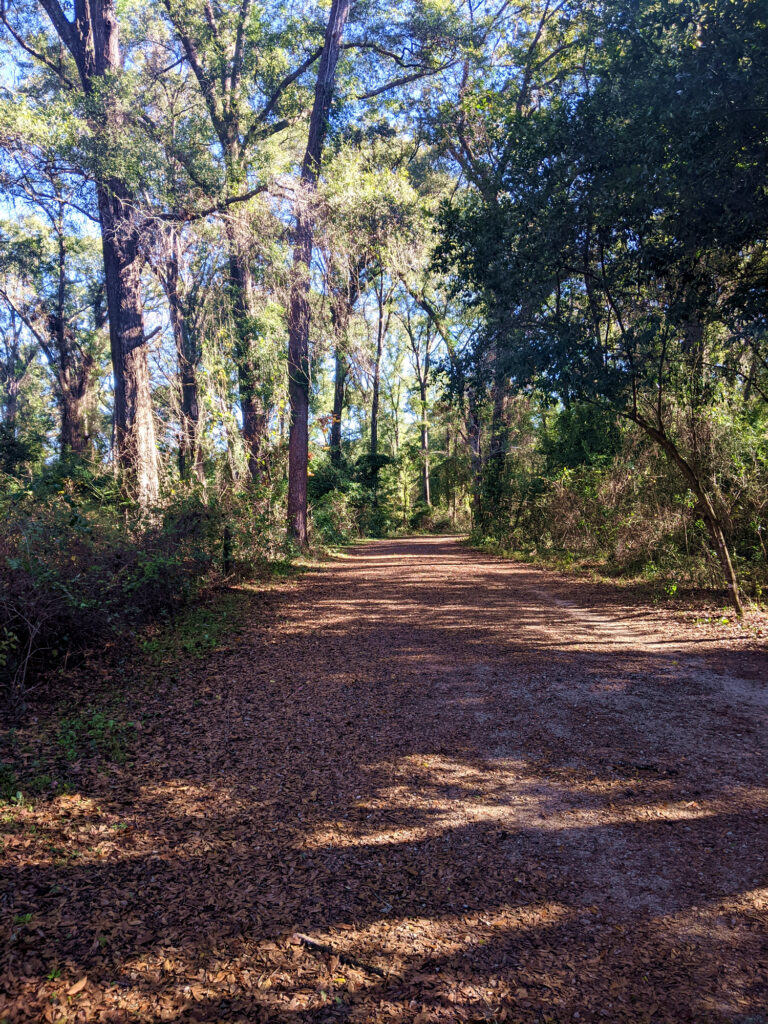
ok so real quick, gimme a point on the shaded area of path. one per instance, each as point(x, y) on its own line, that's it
point(489, 804)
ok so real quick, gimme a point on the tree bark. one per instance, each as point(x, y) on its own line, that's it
point(341, 308)
point(374, 441)
point(93, 40)
point(381, 330)
point(187, 358)
point(73, 366)
point(298, 313)
point(425, 484)
point(491, 506)
point(136, 453)
point(339, 385)
point(11, 405)
point(473, 437)
point(74, 377)
point(14, 370)
point(252, 406)
point(422, 365)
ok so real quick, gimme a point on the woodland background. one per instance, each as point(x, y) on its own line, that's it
point(276, 276)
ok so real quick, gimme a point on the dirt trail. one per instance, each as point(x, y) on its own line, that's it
point(427, 787)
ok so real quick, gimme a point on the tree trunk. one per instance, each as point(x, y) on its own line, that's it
point(134, 433)
point(452, 462)
point(492, 502)
point(190, 460)
point(190, 453)
point(425, 488)
point(374, 446)
point(74, 425)
point(93, 40)
point(341, 308)
point(497, 450)
point(73, 386)
point(72, 365)
point(475, 455)
point(74, 377)
point(339, 382)
point(298, 382)
point(254, 413)
point(298, 313)
point(11, 405)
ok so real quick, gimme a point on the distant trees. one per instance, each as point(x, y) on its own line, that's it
point(611, 246)
point(194, 115)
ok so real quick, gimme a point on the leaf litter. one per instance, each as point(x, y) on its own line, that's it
point(413, 789)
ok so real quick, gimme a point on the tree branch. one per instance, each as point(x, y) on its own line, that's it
point(275, 97)
point(23, 317)
point(207, 87)
point(65, 29)
point(237, 60)
point(186, 216)
point(382, 51)
point(397, 82)
point(41, 57)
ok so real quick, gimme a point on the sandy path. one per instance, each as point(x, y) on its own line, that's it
point(483, 801)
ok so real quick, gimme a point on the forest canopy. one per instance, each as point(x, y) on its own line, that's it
point(283, 275)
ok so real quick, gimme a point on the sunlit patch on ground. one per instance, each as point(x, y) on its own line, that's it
point(425, 794)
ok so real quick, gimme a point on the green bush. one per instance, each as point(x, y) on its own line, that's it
point(334, 518)
point(569, 497)
point(347, 502)
point(79, 566)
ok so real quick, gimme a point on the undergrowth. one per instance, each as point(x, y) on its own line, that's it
point(81, 569)
point(51, 754)
point(674, 583)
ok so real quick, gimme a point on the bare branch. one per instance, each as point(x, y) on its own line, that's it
point(186, 216)
point(382, 51)
point(397, 82)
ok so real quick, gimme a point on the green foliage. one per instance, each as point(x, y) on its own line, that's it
point(79, 567)
point(600, 266)
point(197, 630)
point(93, 731)
point(629, 512)
point(345, 500)
point(19, 453)
point(368, 467)
point(335, 518)
point(610, 263)
point(9, 782)
point(580, 435)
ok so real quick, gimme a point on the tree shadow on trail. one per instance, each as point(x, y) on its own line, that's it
point(482, 819)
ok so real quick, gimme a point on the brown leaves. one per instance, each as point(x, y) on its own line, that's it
point(413, 804)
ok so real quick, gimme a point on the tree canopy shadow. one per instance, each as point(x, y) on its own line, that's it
point(473, 818)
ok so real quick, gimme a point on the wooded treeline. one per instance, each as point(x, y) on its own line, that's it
point(346, 268)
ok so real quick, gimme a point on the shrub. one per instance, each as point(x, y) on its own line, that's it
point(334, 518)
point(79, 567)
point(632, 510)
